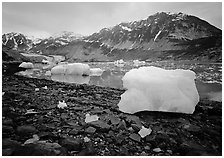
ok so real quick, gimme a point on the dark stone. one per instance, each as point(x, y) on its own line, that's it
point(162, 137)
point(7, 129)
point(9, 143)
point(90, 130)
point(7, 122)
point(26, 129)
point(150, 138)
point(72, 144)
point(135, 137)
point(122, 125)
point(75, 131)
point(136, 127)
point(192, 128)
point(40, 149)
point(102, 126)
point(7, 152)
point(88, 151)
point(124, 151)
point(114, 120)
point(133, 119)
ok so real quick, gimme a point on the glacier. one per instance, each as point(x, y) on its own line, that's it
point(156, 89)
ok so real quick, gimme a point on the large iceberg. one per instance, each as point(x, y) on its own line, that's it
point(156, 89)
point(71, 69)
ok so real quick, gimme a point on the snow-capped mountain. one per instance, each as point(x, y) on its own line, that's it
point(157, 32)
point(21, 42)
point(67, 36)
point(16, 41)
point(161, 36)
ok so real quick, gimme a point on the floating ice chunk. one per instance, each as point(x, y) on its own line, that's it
point(156, 89)
point(121, 61)
point(48, 73)
point(86, 139)
point(27, 65)
point(72, 69)
point(91, 118)
point(96, 72)
point(62, 105)
point(3, 93)
point(138, 63)
point(144, 132)
point(45, 87)
point(37, 89)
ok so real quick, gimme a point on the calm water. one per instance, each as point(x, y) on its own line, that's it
point(208, 76)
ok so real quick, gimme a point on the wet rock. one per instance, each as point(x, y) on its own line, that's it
point(72, 144)
point(26, 129)
point(150, 138)
point(90, 130)
point(135, 137)
point(120, 137)
point(76, 130)
point(133, 119)
point(122, 125)
point(101, 125)
point(136, 127)
point(114, 120)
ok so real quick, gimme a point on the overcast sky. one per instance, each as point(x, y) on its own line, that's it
point(45, 18)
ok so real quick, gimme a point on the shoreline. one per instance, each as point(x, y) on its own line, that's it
point(115, 133)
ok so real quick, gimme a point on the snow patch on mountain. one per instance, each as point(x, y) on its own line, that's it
point(157, 35)
point(126, 28)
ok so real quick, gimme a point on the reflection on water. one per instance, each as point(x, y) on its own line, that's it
point(208, 76)
point(71, 78)
point(215, 96)
point(211, 91)
point(108, 79)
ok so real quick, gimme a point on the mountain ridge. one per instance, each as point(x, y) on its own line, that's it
point(160, 36)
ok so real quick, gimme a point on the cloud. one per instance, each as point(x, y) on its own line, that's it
point(87, 18)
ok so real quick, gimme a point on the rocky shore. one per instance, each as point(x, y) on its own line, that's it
point(32, 124)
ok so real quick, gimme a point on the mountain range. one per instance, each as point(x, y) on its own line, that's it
point(162, 36)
